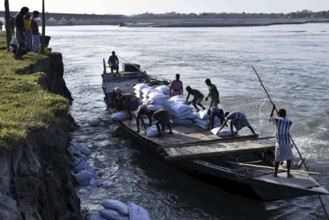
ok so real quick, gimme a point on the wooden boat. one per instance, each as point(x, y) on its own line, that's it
point(241, 164)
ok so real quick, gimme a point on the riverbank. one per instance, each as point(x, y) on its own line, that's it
point(217, 22)
point(35, 128)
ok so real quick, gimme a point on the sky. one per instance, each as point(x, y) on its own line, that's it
point(131, 7)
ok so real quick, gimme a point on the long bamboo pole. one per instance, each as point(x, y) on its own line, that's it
point(291, 140)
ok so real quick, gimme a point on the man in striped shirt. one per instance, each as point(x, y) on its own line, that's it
point(283, 148)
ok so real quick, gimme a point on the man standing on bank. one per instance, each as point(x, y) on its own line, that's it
point(20, 29)
point(283, 148)
point(35, 32)
point(213, 94)
point(113, 62)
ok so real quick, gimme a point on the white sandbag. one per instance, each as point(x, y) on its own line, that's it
point(157, 100)
point(164, 89)
point(147, 90)
point(81, 165)
point(178, 99)
point(95, 216)
point(118, 115)
point(83, 149)
point(225, 132)
point(182, 121)
point(182, 115)
point(115, 205)
point(203, 114)
point(138, 94)
point(155, 107)
point(200, 121)
point(137, 213)
point(106, 184)
point(73, 151)
point(93, 182)
point(83, 177)
point(156, 94)
point(93, 122)
point(112, 215)
point(140, 86)
point(180, 109)
point(152, 131)
point(201, 125)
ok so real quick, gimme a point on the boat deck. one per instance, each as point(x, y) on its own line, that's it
point(187, 141)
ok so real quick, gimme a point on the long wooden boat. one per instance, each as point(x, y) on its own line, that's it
point(241, 164)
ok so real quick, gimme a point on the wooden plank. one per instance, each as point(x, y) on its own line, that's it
point(201, 151)
point(220, 140)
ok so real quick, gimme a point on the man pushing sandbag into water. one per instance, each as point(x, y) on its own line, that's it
point(238, 120)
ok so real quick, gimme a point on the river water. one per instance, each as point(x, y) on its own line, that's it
point(293, 63)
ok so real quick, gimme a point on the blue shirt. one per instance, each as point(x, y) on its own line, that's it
point(235, 115)
point(282, 132)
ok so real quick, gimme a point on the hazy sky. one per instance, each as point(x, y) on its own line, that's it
point(130, 7)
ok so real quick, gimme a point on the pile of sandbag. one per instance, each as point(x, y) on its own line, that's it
point(179, 111)
point(117, 210)
point(81, 171)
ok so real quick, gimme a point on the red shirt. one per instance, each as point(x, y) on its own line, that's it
point(34, 27)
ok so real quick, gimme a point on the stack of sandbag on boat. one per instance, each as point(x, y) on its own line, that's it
point(201, 119)
point(179, 111)
point(117, 210)
point(154, 97)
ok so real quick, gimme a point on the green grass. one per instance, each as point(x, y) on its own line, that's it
point(24, 104)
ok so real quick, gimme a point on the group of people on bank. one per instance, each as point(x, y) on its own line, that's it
point(238, 120)
point(27, 36)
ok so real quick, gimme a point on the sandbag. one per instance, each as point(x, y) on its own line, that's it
point(155, 107)
point(83, 149)
point(116, 205)
point(137, 213)
point(180, 109)
point(178, 99)
point(140, 86)
point(118, 116)
point(156, 94)
point(152, 131)
point(112, 215)
point(225, 132)
point(164, 89)
point(93, 122)
point(95, 216)
point(203, 114)
point(147, 90)
point(84, 177)
point(81, 165)
point(182, 121)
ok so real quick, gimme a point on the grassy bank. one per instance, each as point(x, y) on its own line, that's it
point(24, 104)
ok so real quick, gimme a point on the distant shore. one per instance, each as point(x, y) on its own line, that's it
point(216, 22)
point(182, 22)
